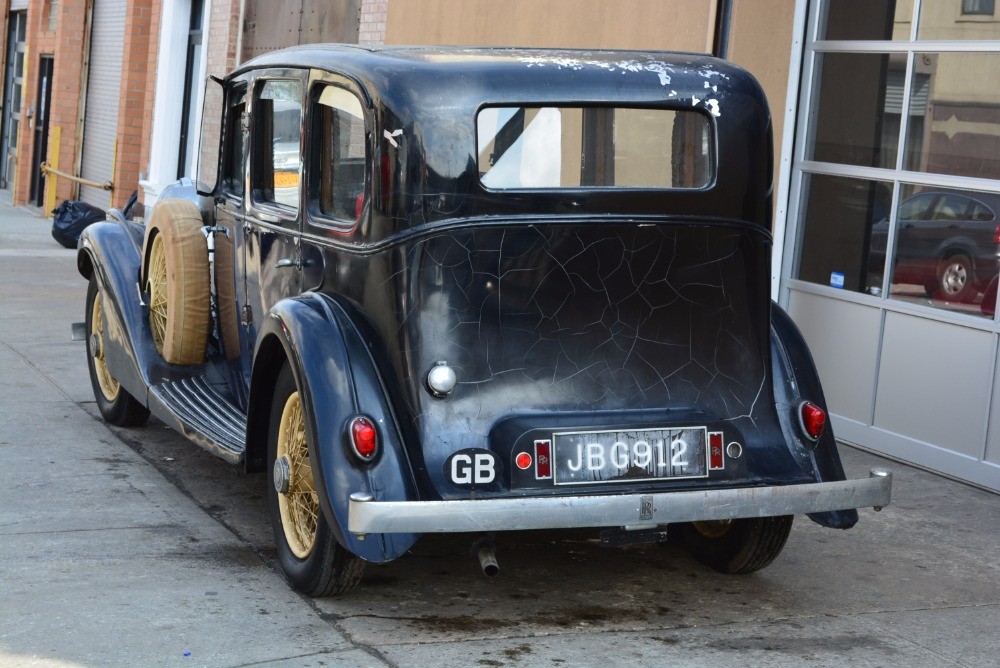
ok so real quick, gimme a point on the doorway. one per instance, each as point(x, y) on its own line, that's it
point(45, 67)
point(13, 87)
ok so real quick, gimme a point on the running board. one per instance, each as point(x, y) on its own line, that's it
point(199, 412)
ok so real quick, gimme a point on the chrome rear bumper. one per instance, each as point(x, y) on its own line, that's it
point(632, 511)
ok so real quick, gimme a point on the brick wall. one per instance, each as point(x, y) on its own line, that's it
point(135, 118)
point(224, 27)
point(371, 28)
point(65, 43)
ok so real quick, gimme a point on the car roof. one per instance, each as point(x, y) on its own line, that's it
point(433, 94)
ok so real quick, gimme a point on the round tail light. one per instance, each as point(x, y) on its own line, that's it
point(364, 438)
point(812, 420)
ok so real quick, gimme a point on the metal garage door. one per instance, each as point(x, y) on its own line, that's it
point(103, 85)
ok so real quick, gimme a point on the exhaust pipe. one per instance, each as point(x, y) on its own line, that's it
point(485, 551)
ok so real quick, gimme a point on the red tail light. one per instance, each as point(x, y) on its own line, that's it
point(996, 235)
point(359, 204)
point(812, 419)
point(364, 438)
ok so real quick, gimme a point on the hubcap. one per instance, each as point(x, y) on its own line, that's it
point(955, 278)
point(299, 503)
point(109, 386)
point(156, 285)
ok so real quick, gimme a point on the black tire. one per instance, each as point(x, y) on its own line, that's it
point(325, 568)
point(116, 405)
point(955, 279)
point(737, 546)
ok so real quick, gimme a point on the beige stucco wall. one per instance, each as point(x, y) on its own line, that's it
point(674, 25)
point(760, 40)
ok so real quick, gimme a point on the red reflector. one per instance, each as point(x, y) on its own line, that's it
point(543, 460)
point(364, 438)
point(716, 460)
point(813, 420)
point(359, 204)
point(523, 460)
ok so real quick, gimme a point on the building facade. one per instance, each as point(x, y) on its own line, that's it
point(887, 136)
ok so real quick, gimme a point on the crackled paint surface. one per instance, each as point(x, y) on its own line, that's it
point(602, 317)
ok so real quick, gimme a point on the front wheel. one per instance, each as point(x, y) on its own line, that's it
point(116, 405)
point(312, 559)
point(736, 546)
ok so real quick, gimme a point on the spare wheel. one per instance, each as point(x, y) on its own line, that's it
point(176, 278)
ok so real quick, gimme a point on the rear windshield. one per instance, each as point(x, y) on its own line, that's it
point(593, 147)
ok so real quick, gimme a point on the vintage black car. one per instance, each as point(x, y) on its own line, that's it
point(476, 290)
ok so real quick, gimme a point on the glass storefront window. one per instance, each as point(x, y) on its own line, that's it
point(867, 19)
point(844, 231)
point(959, 107)
point(856, 109)
point(947, 249)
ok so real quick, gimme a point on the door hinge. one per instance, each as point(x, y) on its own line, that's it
point(246, 313)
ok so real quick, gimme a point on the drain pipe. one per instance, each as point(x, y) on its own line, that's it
point(484, 549)
point(723, 17)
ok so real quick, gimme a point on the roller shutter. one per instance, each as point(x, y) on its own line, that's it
point(103, 86)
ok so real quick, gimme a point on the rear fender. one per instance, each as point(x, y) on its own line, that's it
point(338, 378)
point(795, 381)
point(108, 252)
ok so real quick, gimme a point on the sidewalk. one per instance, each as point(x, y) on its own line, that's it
point(134, 548)
point(102, 560)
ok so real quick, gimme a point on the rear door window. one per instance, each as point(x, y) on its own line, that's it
point(339, 145)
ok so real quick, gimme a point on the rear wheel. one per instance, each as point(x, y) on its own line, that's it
point(955, 279)
point(736, 546)
point(312, 559)
point(116, 405)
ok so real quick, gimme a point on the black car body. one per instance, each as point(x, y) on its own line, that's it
point(485, 337)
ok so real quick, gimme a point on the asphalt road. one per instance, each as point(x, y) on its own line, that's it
point(132, 547)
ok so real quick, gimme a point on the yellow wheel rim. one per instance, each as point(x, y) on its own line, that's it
point(299, 506)
point(156, 285)
point(713, 528)
point(109, 386)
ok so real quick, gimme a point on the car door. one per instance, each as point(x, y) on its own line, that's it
point(272, 228)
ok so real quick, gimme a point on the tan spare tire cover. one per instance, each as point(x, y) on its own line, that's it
point(175, 275)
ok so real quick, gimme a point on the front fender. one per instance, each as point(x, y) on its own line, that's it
point(108, 252)
point(338, 378)
point(796, 380)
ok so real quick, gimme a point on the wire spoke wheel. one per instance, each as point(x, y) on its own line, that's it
point(114, 402)
point(108, 385)
point(156, 285)
point(313, 561)
point(299, 505)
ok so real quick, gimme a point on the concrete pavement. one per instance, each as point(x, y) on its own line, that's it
point(131, 547)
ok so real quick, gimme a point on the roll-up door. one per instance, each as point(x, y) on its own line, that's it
point(103, 86)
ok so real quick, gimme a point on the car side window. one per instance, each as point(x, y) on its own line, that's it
point(980, 212)
point(232, 165)
point(951, 207)
point(917, 208)
point(338, 131)
point(277, 139)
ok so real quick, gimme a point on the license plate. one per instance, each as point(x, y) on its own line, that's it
point(589, 457)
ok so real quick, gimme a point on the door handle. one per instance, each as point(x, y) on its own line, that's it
point(287, 262)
